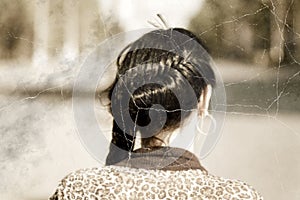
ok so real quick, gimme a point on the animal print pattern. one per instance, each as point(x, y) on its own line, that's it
point(112, 182)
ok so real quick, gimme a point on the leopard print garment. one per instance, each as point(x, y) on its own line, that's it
point(113, 182)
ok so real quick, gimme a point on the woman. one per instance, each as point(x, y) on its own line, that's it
point(163, 77)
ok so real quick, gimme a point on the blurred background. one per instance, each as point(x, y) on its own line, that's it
point(256, 48)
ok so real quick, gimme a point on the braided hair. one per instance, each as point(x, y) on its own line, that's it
point(175, 57)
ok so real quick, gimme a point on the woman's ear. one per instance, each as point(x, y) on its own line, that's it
point(204, 101)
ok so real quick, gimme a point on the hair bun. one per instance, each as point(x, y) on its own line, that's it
point(151, 97)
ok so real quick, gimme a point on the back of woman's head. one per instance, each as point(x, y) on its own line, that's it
point(159, 82)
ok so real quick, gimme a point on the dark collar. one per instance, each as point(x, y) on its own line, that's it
point(163, 158)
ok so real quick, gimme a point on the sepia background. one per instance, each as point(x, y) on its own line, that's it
point(256, 48)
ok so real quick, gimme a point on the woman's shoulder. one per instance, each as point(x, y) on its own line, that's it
point(115, 182)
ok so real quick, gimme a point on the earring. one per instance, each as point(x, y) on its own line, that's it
point(201, 121)
point(200, 133)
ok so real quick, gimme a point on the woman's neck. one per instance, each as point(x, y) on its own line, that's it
point(161, 139)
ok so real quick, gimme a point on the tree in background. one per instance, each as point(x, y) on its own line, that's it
point(39, 30)
point(259, 31)
point(15, 29)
